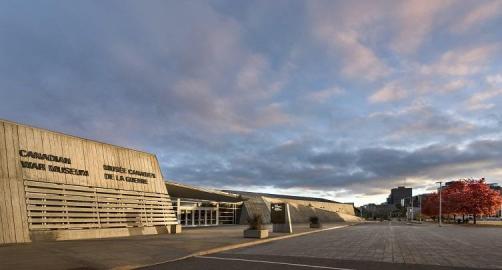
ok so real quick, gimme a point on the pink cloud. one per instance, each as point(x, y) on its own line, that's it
point(390, 92)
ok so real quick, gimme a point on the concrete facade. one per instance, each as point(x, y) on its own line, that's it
point(56, 186)
point(250, 203)
point(301, 210)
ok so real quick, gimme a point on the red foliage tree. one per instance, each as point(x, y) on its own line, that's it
point(454, 200)
point(430, 205)
point(480, 199)
point(463, 197)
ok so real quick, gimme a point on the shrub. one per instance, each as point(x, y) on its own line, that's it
point(314, 220)
point(255, 222)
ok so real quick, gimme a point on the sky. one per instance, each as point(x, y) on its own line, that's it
point(337, 99)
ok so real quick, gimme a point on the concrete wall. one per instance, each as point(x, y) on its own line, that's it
point(254, 206)
point(300, 210)
point(327, 206)
point(52, 181)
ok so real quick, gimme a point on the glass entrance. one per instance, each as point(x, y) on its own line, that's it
point(194, 213)
point(198, 217)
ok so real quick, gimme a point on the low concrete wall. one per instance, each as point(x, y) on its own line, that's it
point(327, 206)
point(102, 233)
point(489, 222)
point(301, 211)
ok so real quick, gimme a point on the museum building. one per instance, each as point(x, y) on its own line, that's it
point(197, 206)
point(56, 187)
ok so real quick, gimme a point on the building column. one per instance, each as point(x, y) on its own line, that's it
point(217, 213)
point(178, 210)
point(193, 217)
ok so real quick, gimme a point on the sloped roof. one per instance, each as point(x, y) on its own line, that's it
point(178, 190)
point(254, 194)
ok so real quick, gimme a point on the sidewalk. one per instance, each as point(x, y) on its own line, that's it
point(127, 252)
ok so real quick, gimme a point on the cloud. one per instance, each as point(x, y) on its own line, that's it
point(422, 122)
point(494, 80)
point(322, 96)
point(250, 76)
point(390, 92)
point(182, 65)
point(454, 85)
point(296, 165)
point(478, 15)
point(462, 62)
point(341, 35)
point(272, 115)
point(360, 61)
point(481, 100)
point(416, 19)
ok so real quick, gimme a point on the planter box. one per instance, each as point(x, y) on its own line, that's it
point(315, 225)
point(175, 228)
point(256, 233)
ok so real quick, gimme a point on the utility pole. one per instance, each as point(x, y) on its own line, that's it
point(420, 199)
point(411, 207)
point(440, 202)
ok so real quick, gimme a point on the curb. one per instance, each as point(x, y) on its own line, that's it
point(236, 246)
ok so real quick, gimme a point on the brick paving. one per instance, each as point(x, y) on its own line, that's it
point(125, 252)
point(450, 245)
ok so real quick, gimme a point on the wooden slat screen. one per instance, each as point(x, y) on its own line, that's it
point(63, 206)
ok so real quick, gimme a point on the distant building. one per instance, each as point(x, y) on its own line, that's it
point(397, 194)
point(496, 187)
point(417, 200)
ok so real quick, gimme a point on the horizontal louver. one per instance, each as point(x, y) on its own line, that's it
point(62, 206)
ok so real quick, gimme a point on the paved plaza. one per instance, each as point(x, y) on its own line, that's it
point(380, 245)
point(127, 252)
point(385, 245)
point(450, 245)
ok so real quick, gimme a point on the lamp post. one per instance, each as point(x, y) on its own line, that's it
point(440, 202)
point(411, 207)
point(420, 199)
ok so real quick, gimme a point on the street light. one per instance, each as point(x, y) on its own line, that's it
point(411, 207)
point(440, 188)
point(420, 199)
